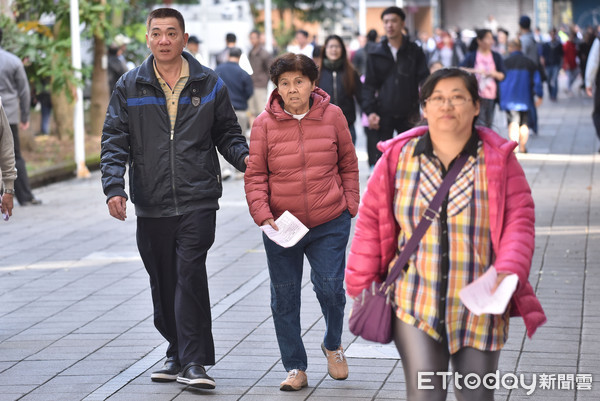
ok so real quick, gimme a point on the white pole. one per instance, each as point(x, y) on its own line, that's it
point(362, 17)
point(268, 26)
point(82, 170)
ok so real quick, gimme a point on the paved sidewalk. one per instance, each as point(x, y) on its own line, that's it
point(76, 318)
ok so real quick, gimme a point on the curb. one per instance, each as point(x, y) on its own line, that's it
point(60, 172)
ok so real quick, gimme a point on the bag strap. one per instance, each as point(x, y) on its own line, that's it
point(429, 215)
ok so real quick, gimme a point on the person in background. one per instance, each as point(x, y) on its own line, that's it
point(487, 221)
point(447, 52)
point(8, 172)
point(583, 49)
point(491, 24)
point(303, 45)
point(338, 78)
point(16, 97)
point(488, 67)
point(570, 60)
point(592, 80)
point(223, 56)
point(531, 49)
point(396, 67)
point(239, 84)
point(164, 123)
point(552, 60)
point(193, 47)
point(117, 66)
point(302, 160)
point(260, 60)
point(501, 45)
point(359, 60)
point(517, 91)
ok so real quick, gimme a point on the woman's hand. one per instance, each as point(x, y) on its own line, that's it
point(271, 223)
point(499, 279)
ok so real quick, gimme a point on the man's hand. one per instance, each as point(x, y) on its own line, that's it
point(24, 125)
point(117, 207)
point(246, 159)
point(589, 91)
point(374, 121)
point(538, 102)
point(7, 204)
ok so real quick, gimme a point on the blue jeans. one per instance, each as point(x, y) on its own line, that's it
point(325, 249)
point(552, 72)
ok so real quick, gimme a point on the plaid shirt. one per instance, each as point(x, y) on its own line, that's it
point(455, 250)
point(172, 94)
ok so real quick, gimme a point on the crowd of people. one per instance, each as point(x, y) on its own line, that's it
point(173, 123)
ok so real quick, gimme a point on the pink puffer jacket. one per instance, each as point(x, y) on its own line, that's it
point(512, 219)
point(307, 166)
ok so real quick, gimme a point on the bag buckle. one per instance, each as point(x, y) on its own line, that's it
point(430, 214)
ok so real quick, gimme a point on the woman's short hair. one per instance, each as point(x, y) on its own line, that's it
point(293, 62)
point(444, 73)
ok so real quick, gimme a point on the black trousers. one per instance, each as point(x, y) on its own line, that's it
point(22, 188)
point(386, 129)
point(174, 251)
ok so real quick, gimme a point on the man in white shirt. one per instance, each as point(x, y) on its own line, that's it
point(303, 46)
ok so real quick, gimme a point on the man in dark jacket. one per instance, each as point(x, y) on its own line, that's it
point(552, 60)
point(164, 120)
point(396, 68)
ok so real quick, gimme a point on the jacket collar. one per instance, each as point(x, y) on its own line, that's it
point(320, 101)
point(146, 73)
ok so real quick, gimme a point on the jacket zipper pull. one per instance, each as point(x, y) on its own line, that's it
point(172, 133)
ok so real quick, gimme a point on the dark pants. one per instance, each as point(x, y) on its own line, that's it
point(325, 249)
point(486, 112)
point(420, 353)
point(174, 250)
point(596, 112)
point(22, 188)
point(386, 131)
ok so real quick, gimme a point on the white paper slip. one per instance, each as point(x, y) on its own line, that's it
point(478, 297)
point(291, 230)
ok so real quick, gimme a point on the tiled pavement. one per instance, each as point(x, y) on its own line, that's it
point(76, 317)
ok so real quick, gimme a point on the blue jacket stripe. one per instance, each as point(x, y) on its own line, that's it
point(211, 96)
point(143, 101)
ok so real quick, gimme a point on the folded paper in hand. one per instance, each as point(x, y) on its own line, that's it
point(478, 296)
point(291, 230)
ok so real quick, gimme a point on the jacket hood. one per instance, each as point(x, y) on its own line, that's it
point(488, 136)
point(320, 101)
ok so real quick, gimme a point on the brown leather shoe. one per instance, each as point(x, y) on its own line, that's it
point(296, 379)
point(337, 366)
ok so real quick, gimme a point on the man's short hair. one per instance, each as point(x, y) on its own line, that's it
point(194, 39)
point(394, 10)
point(166, 13)
point(372, 35)
point(302, 32)
point(525, 22)
point(230, 38)
point(235, 52)
point(515, 44)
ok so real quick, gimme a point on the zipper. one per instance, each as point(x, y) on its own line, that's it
point(335, 88)
point(172, 152)
point(304, 178)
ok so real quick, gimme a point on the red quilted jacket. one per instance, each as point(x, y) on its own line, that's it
point(512, 219)
point(307, 166)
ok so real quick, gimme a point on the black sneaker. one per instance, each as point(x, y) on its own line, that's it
point(168, 373)
point(195, 375)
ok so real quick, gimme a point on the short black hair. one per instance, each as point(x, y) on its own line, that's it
point(302, 32)
point(166, 12)
point(230, 38)
point(235, 52)
point(372, 35)
point(394, 10)
point(194, 39)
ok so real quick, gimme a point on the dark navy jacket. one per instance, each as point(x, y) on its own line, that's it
point(238, 82)
point(522, 81)
point(338, 94)
point(171, 172)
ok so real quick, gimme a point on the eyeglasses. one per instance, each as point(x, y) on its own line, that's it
point(439, 101)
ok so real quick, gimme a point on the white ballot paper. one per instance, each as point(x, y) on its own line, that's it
point(478, 297)
point(291, 230)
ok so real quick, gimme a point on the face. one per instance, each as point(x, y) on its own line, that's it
point(393, 25)
point(486, 42)
point(193, 47)
point(333, 49)
point(446, 118)
point(254, 39)
point(301, 39)
point(295, 90)
point(166, 39)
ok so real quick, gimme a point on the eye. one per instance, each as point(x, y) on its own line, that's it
point(172, 34)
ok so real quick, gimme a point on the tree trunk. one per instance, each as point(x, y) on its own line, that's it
point(64, 111)
point(100, 95)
